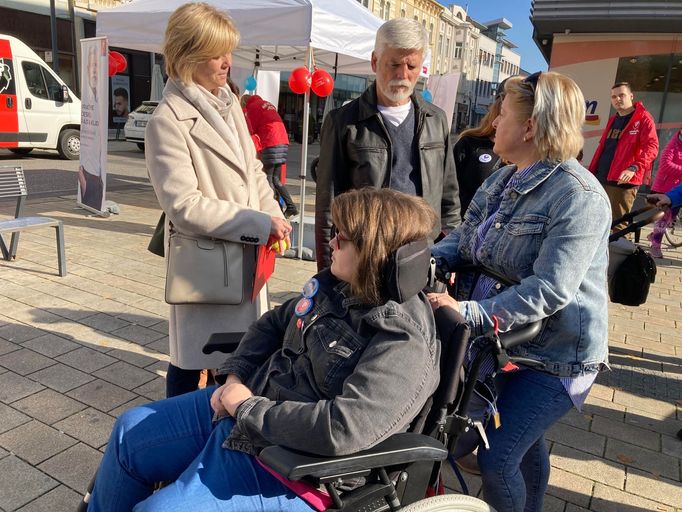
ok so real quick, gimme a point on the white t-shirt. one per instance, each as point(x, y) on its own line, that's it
point(395, 115)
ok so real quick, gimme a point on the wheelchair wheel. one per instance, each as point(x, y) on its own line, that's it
point(449, 503)
point(674, 233)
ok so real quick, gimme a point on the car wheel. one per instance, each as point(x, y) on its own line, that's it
point(140, 145)
point(69, 144)
point(20, 151)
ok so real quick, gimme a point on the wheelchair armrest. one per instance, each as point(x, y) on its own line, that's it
point(526, 333)
point(222, 342)
point(398, 449)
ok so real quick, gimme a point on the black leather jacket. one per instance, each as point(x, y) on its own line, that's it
point(340, 379)
point(355, 152)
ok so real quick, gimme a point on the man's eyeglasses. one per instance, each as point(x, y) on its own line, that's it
point(532, 80)
point(334, 233)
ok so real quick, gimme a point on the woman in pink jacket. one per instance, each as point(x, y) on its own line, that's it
point(669, 175)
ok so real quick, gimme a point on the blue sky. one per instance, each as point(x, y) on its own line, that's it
point(521, 34)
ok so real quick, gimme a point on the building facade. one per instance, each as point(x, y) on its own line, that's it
point(486, 57)
point(639, 43)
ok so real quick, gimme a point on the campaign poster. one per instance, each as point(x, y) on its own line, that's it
point(444, 91)
point(120, 98)
point(94, 123)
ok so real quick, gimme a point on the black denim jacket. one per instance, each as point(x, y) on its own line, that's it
point(338, 380)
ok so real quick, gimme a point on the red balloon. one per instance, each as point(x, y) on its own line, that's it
point(117, 63)
point(322, 83)
point(299, 80)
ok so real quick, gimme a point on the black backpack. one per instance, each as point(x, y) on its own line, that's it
point(632, 278)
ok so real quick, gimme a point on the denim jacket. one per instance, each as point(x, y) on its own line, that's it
point(338, 380)
point(550, 235)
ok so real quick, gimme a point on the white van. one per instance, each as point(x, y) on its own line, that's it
point(37, 110)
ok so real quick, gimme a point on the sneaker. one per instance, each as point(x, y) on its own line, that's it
point(290, 212)
point(655, 252)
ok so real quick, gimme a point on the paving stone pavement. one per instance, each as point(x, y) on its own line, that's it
point(77, 351)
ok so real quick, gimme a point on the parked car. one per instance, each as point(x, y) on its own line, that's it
point(137, 123)
point(37, 109)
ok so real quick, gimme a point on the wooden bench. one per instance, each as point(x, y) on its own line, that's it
point(13, 185)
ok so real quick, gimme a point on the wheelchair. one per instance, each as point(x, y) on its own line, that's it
point(404, 471)
point(400, 472)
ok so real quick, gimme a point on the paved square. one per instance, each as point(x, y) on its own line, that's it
point(76, 352)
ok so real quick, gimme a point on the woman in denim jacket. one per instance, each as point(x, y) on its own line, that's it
point(543, 223)
point(324, 373)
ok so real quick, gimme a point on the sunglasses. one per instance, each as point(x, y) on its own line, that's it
point(532, 81)
point(334, 233)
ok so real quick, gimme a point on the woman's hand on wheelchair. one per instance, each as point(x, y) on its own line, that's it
point(659, 200)
point(438, 300)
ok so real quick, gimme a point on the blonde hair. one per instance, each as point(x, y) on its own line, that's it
point(196, 33)
point(557, 106)
point(376, 222)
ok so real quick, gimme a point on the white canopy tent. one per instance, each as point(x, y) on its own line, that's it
point(275, 34)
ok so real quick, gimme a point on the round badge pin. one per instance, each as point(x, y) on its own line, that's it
point(310, 288)
point(303, 306)
point(485, 158)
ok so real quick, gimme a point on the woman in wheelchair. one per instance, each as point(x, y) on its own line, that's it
point(542, 223)
point(334, 371)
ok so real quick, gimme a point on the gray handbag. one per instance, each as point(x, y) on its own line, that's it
point(203, 270)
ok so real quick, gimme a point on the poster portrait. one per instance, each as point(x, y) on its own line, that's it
point(120, 98)
point(94, 126)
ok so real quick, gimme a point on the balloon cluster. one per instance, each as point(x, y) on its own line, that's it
point(301, 80)
point(117, 63)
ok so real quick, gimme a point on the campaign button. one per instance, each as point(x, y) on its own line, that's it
point(303, 306)
point(310, 288)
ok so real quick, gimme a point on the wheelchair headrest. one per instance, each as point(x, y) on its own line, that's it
point(406, 271)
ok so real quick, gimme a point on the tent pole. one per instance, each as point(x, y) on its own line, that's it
point(304, 160)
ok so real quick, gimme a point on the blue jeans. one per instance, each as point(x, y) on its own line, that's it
point(515, 470)
point(175, 439)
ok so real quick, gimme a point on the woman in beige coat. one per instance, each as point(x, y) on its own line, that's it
point(203, 166)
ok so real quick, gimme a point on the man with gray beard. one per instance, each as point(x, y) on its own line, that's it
point(388, 137)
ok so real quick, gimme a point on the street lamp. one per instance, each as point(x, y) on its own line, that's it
point(472, 106)
point(53, 30)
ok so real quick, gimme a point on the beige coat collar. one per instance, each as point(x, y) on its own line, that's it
point(202, 129)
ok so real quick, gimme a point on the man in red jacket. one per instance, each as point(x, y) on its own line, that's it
point(265, 122)
point(626, 151)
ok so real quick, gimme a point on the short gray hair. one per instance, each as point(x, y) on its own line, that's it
point(402, 33)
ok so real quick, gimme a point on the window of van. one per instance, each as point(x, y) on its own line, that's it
point(40, 82)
